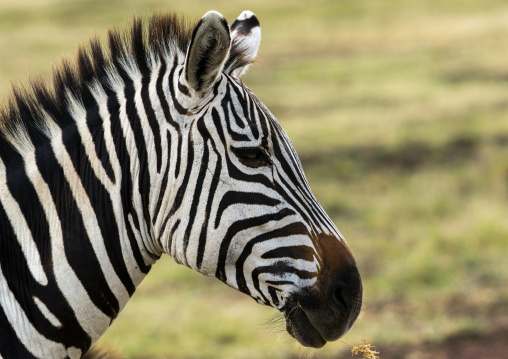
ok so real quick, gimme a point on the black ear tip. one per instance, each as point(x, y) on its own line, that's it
point(245, 23)
point(248, 16)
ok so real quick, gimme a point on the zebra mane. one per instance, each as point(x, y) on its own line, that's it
point(29, 112)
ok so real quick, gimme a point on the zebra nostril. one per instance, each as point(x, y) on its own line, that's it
point(341, 298)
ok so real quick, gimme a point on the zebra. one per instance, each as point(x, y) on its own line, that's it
point(153, 145)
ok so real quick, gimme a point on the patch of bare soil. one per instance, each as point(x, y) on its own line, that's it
point(488, 345)
point(409, 156)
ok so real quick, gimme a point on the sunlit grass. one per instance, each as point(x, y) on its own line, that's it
point(399, 112)
point(158, 323)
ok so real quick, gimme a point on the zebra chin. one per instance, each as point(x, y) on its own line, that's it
point(327, 310)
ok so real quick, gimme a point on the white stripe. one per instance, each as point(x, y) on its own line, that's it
point(74, 352)
point(159, 116)
point(33, 341)
point(78, 112)
point(93, 321)
point(17, 135)
point(115, 193)
point(292, 191)
point(146, 129)
point(46, 312)
point(90, 221)
point(255, 260)
point(173, 182)
point(193, 244)
point(134, 172)
point(21, 229)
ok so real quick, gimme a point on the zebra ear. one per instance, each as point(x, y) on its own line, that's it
point(246, 36)
point(207, 52)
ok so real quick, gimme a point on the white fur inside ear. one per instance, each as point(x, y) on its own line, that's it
point(246, 38)
point(251, 44)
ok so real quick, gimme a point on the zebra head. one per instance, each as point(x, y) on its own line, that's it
point(251, 220)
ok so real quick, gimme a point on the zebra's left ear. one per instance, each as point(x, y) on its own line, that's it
point(245, 40)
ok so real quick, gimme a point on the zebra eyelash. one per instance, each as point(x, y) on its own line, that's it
point(253, 157)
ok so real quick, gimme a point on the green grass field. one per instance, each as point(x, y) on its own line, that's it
point(399, 111)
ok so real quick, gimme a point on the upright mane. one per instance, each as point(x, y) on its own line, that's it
point(24, 120)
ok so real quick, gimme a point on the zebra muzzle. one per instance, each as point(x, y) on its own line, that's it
point(328, 309)
point(318, 315)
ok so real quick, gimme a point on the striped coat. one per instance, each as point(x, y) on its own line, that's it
point(155, 146)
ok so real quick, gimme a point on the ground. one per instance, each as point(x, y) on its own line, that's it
point(399, 112)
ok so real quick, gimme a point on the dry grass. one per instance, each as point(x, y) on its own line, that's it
point(399, 111)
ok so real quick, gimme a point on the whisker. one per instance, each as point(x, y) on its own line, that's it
point(275, 326)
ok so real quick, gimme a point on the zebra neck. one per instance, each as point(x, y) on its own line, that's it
point(81, 216)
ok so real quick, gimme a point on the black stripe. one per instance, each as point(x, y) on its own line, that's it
point(167, 112)
point(10, 345)
point(306, 195)
point(164, 183)
point(295, 252)
point(220, 130)
point(162, 97)
point(232, 170)
point(103, 207)
point(14, 267)
point(273, 293)
point(296, 205)
point(126, 185)
point(182, 88)
point(235, 173)
point(241, 95)
point(171, 234)
point(252, 117)
point(241, 225)
point(96, 128)
point(211, 195)
point(279, 282)
point(285, 168)
point(238, 120)
point(226, 104)
point(278, 268)
point(139, 139)
point(179, 155)
point(291, 229)
point(250, 198)
point(181, 110)
point(183, 187)
point(77, 244)
point(199, 183)
point(152, 119)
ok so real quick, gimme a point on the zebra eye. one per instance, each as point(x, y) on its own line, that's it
point(251, 156)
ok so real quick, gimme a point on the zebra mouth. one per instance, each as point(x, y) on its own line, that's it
point(316, 316)
point(301, 328)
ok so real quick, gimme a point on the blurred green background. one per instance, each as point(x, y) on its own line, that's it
point(399, 111)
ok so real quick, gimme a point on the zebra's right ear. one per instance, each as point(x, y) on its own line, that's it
point(246, 37)
point(207, 52)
